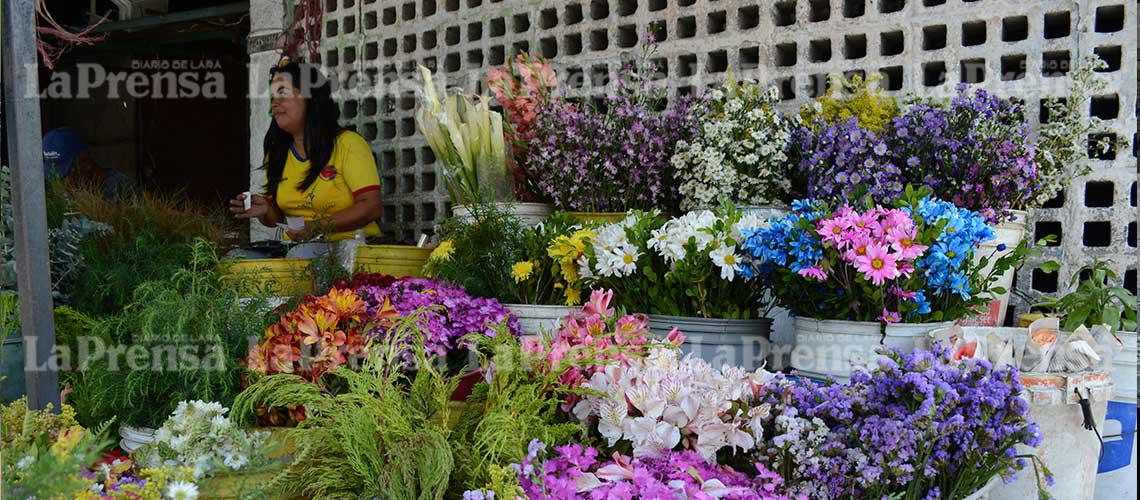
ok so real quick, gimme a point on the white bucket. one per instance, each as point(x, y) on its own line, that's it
point(830, 347)
point(983, 493)
point(1010, 234)
point(907, 337)
point(537, 321)
point(736, 342)
point(134, 437)
point(1067, 449)
point(529, 214)
point(1116, 474)
point(835, 348)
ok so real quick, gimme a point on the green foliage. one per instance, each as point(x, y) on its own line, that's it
point(45, 452)
point(179, 339)
point(1097, 300)
point(854, 98)
point(116, 266)
point(383, 435)
point(485, 244)
point(504, 414)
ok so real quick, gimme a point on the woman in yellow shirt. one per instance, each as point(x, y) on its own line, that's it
point(314, 168)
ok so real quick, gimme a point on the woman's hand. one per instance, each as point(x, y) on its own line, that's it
point(258, 206)
point(300, 235)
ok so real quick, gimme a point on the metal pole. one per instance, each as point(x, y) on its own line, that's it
point(25, 157)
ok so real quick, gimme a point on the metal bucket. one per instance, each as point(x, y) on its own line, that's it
point(736, 342)
point(537, 321)
point(529, 214)
point(835, 348)
point(394, 260)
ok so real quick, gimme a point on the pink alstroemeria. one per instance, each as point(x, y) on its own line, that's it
point(599, 304)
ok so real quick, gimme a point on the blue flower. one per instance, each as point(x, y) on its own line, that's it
point(923, 304)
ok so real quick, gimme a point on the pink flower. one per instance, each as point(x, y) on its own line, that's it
point(814, 272)
point(832, 230)
point(902, 294)
point(675, 337)
point(905, 246)
point(889, 316)
point(857, 248)
point(877, 264)
point(599, 304)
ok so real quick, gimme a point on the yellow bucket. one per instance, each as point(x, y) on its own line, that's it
point(274, 277)
point(394, 260)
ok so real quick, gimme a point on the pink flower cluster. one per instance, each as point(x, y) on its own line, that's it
point(591, 338)
point(880, 243)
point(520, 87)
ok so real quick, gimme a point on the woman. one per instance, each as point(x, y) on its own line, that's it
point(314, 168)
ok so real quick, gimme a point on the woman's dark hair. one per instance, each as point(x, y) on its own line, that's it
point(321, 127)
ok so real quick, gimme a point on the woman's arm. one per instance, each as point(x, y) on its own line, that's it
point(364, 210)
point(263, 207)
point(273, 213)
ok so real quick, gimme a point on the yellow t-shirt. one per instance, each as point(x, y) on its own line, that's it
point(351, 171)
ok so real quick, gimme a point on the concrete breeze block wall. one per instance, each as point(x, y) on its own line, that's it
point(922, 47)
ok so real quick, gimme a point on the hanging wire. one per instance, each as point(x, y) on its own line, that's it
point(53, 40)
point(304, 32)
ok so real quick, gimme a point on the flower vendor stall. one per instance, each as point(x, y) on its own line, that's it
point(593, 316)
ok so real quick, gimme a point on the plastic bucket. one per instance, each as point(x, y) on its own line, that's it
point(12, 359)
point(1067, 449)
point(736, 342)
point(273, 277)
point(983, 493)
point(1009, 234)
point(529, 214)
point(1116, 474)
point(134, 437)
point(907, 337)
point(394, 260)
point(830, 347)
point(536, 321)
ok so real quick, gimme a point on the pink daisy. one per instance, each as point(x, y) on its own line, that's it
point(877, 264)
point(831, 230)
point(889, 316)
point(905, 246)
point(856, 248)
point(902, 294)
point(815, 272)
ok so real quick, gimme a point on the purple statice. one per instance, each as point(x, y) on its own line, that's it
point(845, 161)
point(447, 312)
point(975, 151)
point(615, 156)
point(918, 424)
point(576, 473)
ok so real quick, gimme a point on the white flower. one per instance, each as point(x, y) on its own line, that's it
point(25, 462)
point(727, 260)
point(182, 490)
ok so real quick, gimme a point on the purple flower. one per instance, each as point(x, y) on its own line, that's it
point(448, 312)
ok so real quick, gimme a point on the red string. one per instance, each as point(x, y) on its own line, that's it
point(53, 40)
point(304, 32)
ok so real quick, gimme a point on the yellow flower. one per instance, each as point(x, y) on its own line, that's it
point(521, 271)
point(443, 251)
point(573, 296)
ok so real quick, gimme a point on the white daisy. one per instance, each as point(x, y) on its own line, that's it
point(727, 260)
point(182, 490)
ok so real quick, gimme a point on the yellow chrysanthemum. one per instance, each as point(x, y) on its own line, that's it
point(521, 271)
point(443, 251)
point(573, 296)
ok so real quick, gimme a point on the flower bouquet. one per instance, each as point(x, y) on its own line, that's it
point(521, 87)
point(618, 259)
point(467, 138)
point(576, 472)
point(912, 263)
point(614, 157)
point(918, 426)
point(321, 334)
point(740, 151)
point(975, 152)
point(444, 311)
point(200, 436)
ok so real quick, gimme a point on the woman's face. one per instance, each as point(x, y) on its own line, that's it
point(287, 104)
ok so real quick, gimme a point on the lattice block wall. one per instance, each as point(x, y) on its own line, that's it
point(921, 46)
